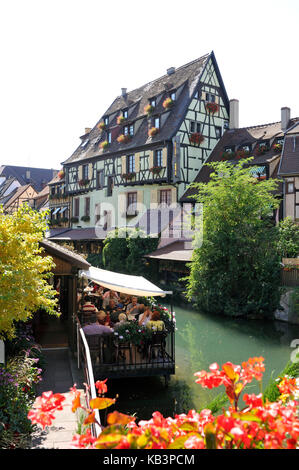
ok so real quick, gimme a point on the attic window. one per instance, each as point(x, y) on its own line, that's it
point(106, 120)
point(194, 126)
point(173, 95)
point(210, 98)
point(156, 122)
point(229, 149)
point(280, 140)
point(125, 113)
point(109, 137)
point(218, 132)
point(84, 143)
point(152, 102)
point(129, 130)
point(196, 95)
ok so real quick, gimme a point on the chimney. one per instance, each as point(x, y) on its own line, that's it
point(87, 130)
point(170, 71)
point(285, 118)
point(234, 114)
point(123, 92)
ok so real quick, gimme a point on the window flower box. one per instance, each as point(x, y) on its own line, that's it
point(101, 126)
point(277, 148)
point(153, 131)
point(156, 170)
point(83, 182)
point(120, 119)
point(129, 176)
point(226, 156)
point(148, 109)
point(60, 174)
point(262, 149)
point(85, 218)
point(168, 103)
point(123, 139)
point(241, 154)
point(74, 220)
point(64, 219)
point(104, 144)
point(196, 138)
point(212, 107)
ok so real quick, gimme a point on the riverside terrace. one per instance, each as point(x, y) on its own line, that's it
point(131, 347)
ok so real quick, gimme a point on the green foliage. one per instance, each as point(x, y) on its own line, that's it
point(288, 243)
point(271, 392)
point(236, 270)
point(294, 301)
point(131, 331)
point(24, 271)
point(124, 249)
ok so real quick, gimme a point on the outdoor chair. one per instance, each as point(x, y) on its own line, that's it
point(95, 347)
point(121, 348)
point(156, 346)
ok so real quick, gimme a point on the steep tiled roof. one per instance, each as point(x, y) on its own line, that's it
point(236, 138)
point(62, 252)
point(290, 157)
point(38, 176)
point(183, 81)
point(18, 193)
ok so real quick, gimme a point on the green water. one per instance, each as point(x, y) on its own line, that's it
point(201, 340)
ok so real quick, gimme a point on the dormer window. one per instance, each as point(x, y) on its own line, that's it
point(106, 120)
point(83, 145)
point(125, 113)
point(196, 96)
point(156, 122)
point(229, 149)
point(152, 102)
point(246, 148)
point(173, 95)
point(194, 127)
point(109, 138)
point(210, 98)
point(128, 130)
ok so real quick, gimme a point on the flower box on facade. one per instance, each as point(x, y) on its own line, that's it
point(226, 156)
point(156, 169)
point(262, 149)
point(101, 126)
point(120, 119)
point(64, 219)
point(277, 148)
point(241, 154)
point(128, 176)
point(153, 131)
point(60, 174)
point(168, 103)
point(196, 138)
point(74, 220)
point(104, 144)
point(148, 109)
point(83, 182)
point(123, 139)
point(85, 218)
point(212, 107)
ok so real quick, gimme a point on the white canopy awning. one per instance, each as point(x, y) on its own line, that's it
point(132, 285)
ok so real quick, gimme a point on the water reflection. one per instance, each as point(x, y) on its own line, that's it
point(200, 341)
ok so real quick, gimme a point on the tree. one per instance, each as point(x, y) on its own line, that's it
point(288, 244)
point(23, 268)
point(124, 249)
point(236, 270)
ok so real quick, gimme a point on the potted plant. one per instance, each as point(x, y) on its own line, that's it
point(156, 169)
point(85, 218)
point(196, 138)
point(212, 107)
point(262, 149)
point(83, 182)
point(101, 126)
point(153, 131)
point(227, 156)
point(60, 174)
point(241, 154)
point(104, 144)
point(64, 219)
point(129, 176)
point(74, 220)
point(123, 139)
point(120, 119)
point(277, 148)
point(148, 109)
point(167, 103)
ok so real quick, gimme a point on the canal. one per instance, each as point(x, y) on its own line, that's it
point(200, 341)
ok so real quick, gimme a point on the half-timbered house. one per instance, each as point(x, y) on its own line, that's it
point(147, 147)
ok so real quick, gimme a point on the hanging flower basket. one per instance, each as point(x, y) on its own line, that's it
point(196, 138)
point(212, 107)
point(123, 139)
point(120, 119)
point(61, 174)
point(277, 148)
point(101, 126)
point(83, 182)
point(167, 103)
point(153, 131)
point(156, 169)
point(104, 144)
point(128, 176)
point(148, 109)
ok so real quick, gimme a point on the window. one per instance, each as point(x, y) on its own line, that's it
point(131, 163)
point(109, 185)
point(109, 137)
point(131, 203)
point(152, 102)
point(226, 124)
point(125, 113)
point(85, 172)
point(196, 96)
point(128, 130)
point(84, 143)
point(76, 207)
point(194, 127)
point(87, 206)
point(173, 95)
point(218, 132)
point(157, 122)
point(165, 197)
point(229, 149)
point(210, 97)
point(97, 212)
point(53, 190)
point(100, 179)
point(158, 159)
point(290, 187)
point(106, 120)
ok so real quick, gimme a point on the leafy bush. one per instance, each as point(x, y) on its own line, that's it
point(288, 243)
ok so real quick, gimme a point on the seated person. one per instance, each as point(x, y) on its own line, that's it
point(133, 309)
point(122, 318)
point(145, 317)
point(111, 307)
point(114, 315)
point(109, 295)
point(97, 328)
point(102, 318)
point(155, 323)
point(88, 306)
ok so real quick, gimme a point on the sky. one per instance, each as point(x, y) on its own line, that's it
point(63, 62)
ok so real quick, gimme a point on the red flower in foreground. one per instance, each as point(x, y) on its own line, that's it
point(43, 408)
point(101, 386)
